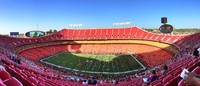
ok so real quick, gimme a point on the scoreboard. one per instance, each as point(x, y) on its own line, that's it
point(35, 34)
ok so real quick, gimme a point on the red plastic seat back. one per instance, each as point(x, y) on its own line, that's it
point(181, 83)
point(158, 84)
point(33, 80)
point(12, 82)
point(167, 79)
point(1, 83)
point(4, 75)
point(196, 70)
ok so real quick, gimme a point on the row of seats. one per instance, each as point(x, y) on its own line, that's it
point(10, 82)
point(7, 80)
point(93, 34)
point(115, 33)
point(28, 76)
point(41, 52)
point(172, 78)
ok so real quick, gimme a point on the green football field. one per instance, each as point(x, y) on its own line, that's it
point(94, 62)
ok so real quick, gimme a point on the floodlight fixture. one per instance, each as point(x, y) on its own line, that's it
point(127, 23)
point(121, 24)
point(76, 25)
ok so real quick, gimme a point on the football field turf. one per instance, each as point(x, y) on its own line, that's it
point(95, 62)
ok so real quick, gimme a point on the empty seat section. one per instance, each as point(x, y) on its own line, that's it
point(104, 48)
point(82, 48)
point(173, 39)
point(63, 34)
point(110, 49)
point(115, 33)
point(139, 34)
point(82, 34)
point(133, 32)
point(93, 34)
point(68, 33)
point(160, 37)
point(149, 36)
point(76, 34)
point(154, 38)
point(103, 33)
point(88, 48)
point(71, 34)
point(166, 38)
point(96, 48)
point(118, 48)
point(97, 34)
point(88, 34)
point(109, 33)
point(127, 33)
point(144, 35)
point(121, 33)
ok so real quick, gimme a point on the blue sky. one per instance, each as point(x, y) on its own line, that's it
point(24, 15)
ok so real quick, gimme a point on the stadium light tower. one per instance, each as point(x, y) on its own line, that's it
point(122, 24)
point(76, 26)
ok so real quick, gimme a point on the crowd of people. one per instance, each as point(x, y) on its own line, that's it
point(16, 59)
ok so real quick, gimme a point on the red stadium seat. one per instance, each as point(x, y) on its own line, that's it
point(44, 84)
point(33, 80)
point(12, 82)
point(155, 82)
point(109, 33)
point(40, 79)
point(127, 33)
point(115, 33)
point(1, 83)
point(181, 83)
point(158, 84)
point(196, 70)
point(4, 75)
point(167, 79)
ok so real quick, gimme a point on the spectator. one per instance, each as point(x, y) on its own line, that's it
point(151, 77)
point(84, 82)
point(12, 58)
point(165, 70)
point(18, 60)
point(196, 52)
point(192, 79)
point(2, 68)
point(114, 81)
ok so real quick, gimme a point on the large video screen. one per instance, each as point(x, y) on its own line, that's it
point(35, 33)
point(14, 33)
